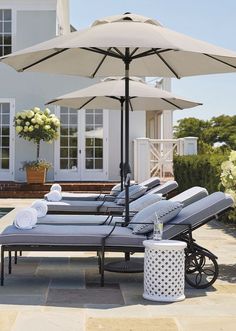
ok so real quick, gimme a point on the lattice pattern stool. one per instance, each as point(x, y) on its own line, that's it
point(164, 270)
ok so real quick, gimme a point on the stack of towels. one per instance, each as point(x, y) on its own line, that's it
point(26, 218)
point(54, 194)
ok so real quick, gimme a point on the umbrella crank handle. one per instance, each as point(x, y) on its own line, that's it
point(127, 179)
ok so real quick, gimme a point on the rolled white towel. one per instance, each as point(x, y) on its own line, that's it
point(56, 187)
point(41, 207)
point(54, 196)
point(26, 219)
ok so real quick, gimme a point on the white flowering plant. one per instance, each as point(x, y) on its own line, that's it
point(37, 125)
point(228, 175)
point(228, 181)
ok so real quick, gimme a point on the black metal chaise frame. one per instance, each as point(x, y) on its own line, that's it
point(195, 255)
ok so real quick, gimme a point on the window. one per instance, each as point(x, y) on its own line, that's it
point(68, 139)
point(4, 135)
point(5, 31)
point(94, 139)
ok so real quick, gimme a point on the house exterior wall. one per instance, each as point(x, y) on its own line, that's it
point(34, 21)
point(137, 129)
point(25, 36)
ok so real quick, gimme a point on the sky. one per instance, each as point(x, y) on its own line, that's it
point(213, 21)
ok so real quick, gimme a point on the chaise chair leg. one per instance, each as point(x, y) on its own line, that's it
point(15, 257)
point(9, 262)
point(102, 256)
point(2, 265)
point(127, 256)
point(99, 261)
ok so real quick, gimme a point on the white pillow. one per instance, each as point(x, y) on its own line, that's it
point(144, 201)
point(117, 189)
point(165, 210)
point(135, 192)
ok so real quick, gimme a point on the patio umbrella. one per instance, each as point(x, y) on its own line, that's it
point(110, 94)
point(127, 43)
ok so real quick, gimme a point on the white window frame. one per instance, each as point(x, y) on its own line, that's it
point(82, 174)
point(9, 174)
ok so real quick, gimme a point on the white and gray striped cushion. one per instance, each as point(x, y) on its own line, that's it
point(165, 210)
point(135, 191)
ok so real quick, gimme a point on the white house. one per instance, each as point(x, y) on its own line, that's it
point(77, 155)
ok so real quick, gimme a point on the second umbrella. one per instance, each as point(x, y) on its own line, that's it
point(110, 94)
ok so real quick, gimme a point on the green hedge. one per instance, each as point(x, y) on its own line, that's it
point(202, 170)
point(198, 170)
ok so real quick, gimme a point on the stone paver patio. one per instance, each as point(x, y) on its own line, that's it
point(61, 292)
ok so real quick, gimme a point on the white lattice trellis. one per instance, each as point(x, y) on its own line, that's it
point(161, 156)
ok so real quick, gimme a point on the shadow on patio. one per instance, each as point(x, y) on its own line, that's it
point(74, 282)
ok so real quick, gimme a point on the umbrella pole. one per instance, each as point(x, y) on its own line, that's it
point(122, 143)
point(127, 170)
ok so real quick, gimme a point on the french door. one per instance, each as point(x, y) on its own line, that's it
point(81, 150)
point(7, 111)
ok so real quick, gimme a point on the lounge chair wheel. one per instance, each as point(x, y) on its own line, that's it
point(201, 269)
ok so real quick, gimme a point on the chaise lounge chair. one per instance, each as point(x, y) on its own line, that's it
point(186, 198)
point(149, 183)
point(113, 238)
point(108, 207)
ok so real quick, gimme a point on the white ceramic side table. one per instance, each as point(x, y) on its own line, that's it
point(164, 264)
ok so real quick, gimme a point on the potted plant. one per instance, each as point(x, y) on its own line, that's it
point(36, 125)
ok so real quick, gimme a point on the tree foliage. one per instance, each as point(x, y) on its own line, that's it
point(221, 129)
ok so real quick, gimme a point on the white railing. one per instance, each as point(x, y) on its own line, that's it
point(154, 157)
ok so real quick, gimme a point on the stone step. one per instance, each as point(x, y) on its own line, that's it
point(24, 190)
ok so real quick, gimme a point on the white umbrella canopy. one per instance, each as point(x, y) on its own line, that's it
point(110, 94)
point(107, 94)
point(130, 44)
point(96, 51)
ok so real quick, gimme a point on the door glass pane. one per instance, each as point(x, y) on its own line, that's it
point(4, 135)
point(5, 31)
point(68, 139)
point(94, 139)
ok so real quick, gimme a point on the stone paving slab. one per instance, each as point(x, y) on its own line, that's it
point(131, 324)
point(79, 297)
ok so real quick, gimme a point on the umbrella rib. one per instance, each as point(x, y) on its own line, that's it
point(151, 52)
point(52, 101)
point(87, 102)
point(99, 65)
point(105, 53)
point(146, 53)
point(43, 59)
point(102, 51)
point(171, 103)
point(134, 51)
point(113, 97)
point(132, 109)
point(119, 52)
point(224, 62)
point(168, 66)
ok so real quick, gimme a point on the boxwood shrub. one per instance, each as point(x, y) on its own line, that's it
point(201, 170)
point(198, 170)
